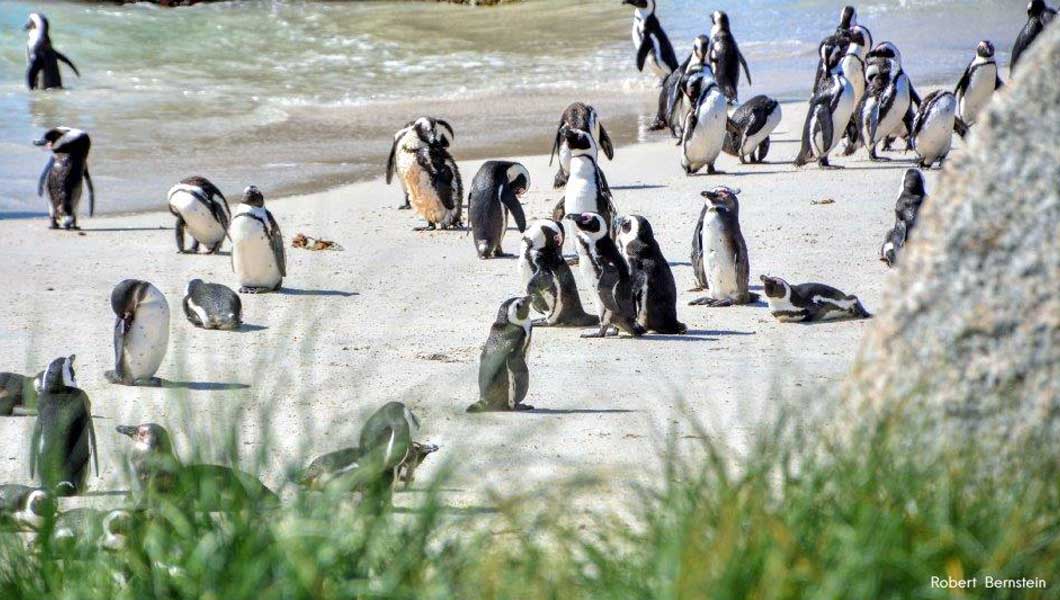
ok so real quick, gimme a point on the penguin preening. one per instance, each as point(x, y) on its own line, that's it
point(578, 115)
point(503, 377)
point(141, 333)
point(654, 289)
point(677, 101)
point(910, 198)
point(429, 175)
point(933, 127)
point(494, 195)
point(828, 113)
point(258, 256)
point(63, 437)
point(42, 59)
point(607, 274)
point(808, 302)
point(978, 84)
point(725, 56)
point(748, 129)
point(212, 306)
point(64, 173)
point(25, 508)
point(1039, 15)
point(704, 130)
point(200, 208)
point(839, 41)
point(548, 278)
point(719, 252)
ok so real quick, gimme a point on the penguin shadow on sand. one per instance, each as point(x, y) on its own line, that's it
point(202, 386)
point(694, 335)
point(577, 411)
point(639, 186)
point(286, 291)
point(124, 229)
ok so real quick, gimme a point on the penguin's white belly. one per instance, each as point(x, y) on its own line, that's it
point(892, 122)
point(752, 142)
point(581, 193)
point(936, 135)
point(564, 158)
point(708, 136)
point(197, 217)
point(526, 270)
point(590, 279)
point(977, 96)
point(719, 262)
point(146, 341)
point(252, 257)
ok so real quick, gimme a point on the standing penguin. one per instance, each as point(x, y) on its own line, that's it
point(910, 198)
point(607, 273)
point(141, 333)
point(578, 116)
point(933, 127)
point(725, 56)
point(677, 102)
point(42, 60)
point(63, 436)
point(838, 41)
point(494, 195)
point(1039, 15)
point(200, 208)
point(503, 377)
point(429, 175)
point(978, 84)
point(587, 189)
point(63, 174)
point(888, 107)
point(719, 252)
point(548, 279)
point(704, 130)
point(654, 289)
point(827, 115)
point(808, 302)
point(653, 50)
point(748, 129)
point(258, 256)
point(212, 306)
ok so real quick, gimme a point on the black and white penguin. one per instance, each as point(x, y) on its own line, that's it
point(548, 278)
point(429, 175)
point(91, 530)
point(977, 84)
point(18, 391)
point(258, 256)
point(141, 332)
point(653, 47)
point(587, 189)
point(63, 436)
point(725, 56)
point(64, 173)
point(200, 208)
point(704, 128)
point(159, 473)
point(606, 272)
point(212, 306)
point(848, 21)
point(495, 193)
point(907, 207)
point(42, 59)
point(1039, 15)
point(348, 467)
point(578, 116)
point(839, 41)
point(654, 290)
point(677, 101)
point(933, 127)
point(827, 115)
point(719, 252)
point(25, 508)
point(889, 105)
point(503, 377)
point(748, 129)
point(808, 302)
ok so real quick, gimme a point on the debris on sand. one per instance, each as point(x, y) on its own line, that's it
point(308, 243)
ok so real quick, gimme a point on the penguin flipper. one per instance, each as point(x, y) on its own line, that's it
point(44, 175)
point(556, 142)
point(511, 202)
point(962, 85)
point(120, 329)
point(276, 242)
point(643, 50)
point(91, 194)
point(605, 144)
point(806, 151)
point(743, 61)
point(998, 84)
point(33, 71)
point(68, 62)
point(34, 446)
point(697, 251)
point(391, 161)
point(93, 448)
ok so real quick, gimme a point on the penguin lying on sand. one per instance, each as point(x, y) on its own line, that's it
point(503, 377)
point(748, 129)
point(212, 306)
point(808, 302)
point(64, 438)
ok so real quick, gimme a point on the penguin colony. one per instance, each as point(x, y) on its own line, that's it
point(861, 97)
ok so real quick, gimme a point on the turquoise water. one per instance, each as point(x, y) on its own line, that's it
point(299, 96)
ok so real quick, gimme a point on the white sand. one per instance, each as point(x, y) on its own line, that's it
point(319, 361)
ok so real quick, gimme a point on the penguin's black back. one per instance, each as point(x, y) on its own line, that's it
point(62, 452)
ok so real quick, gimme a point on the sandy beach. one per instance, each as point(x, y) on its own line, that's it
point(401, 315)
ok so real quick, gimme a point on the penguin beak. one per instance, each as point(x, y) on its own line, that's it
point(42, 142)
point(29, 25)
point(126, 430)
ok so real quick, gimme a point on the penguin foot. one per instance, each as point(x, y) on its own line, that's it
point(657, 125)
point(595, 333)
point(254, 290)
point(711, 302)
point(113, 377)
point(54, 225)
point(522, 407)
point(430, 227)
point(148, 382)
point(405, 206)
point(712, 171)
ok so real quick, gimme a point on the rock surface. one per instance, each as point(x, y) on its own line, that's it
point(970, 327)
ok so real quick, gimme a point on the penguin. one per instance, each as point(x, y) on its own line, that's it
point(654, 290)
point(848, 21)
point(258, 256)
point(64, 173)
point(584, 117)
point(212, 306)
point(349, 462)
point(704, 130)
point(888, 107)
point(1039, 15)
point(428, 173)
point(63, 437)
point(977, 84)
point(160, 474)
point(840, 40)
point(200, 208)
point(809, 302)
point(674, 86)
point(548, 279)
point(42, 59)
point(719, 253)
point(828, 114)
point(933, 127)
point(907, 207)
point(495, 193)
point(653, 47)
point(90, 530)
point(17, 391)
point(606, 272)
point(748, 129)
point(141, 333)
point(503, 377)
point(25, 508)
point(725, 56)
point(587, 189)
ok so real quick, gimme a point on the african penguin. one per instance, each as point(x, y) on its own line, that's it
point(200, 208)
point(428, 173)
point(704, 129)
point(1039, 15)
point(887, 109)
point(654, 290)
point(933, 127)
point(839, 41)
point(748, 129)
point(347, 467)
point(25, 508)
point(808, 302)
point(17, 391)
point(548, 279)
point(495, 193)
point(141, 333)
point(212, 306)
point(848, 21)
point(719, 253)
point(587, 189)
point(677, 102)
point(578, 116)
point(606, 273)
point(63, 175)
point(827, 115)
point(910, 198)
point(725, 56)
point(650, 41)
point(503, 377)
point(63, 437)
point(978, 84)
point(90, 530)
point(258, 256)
point(42, 59)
